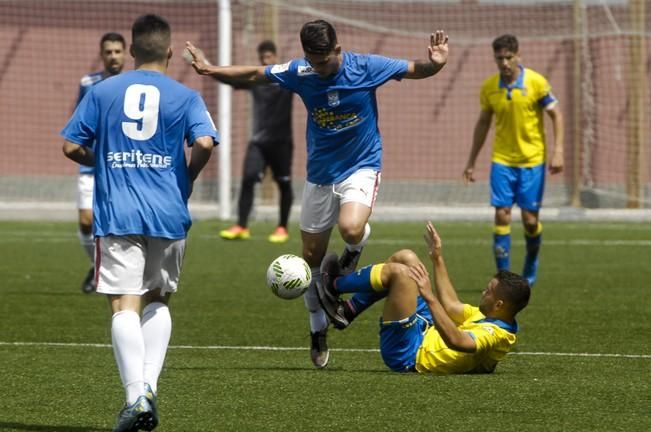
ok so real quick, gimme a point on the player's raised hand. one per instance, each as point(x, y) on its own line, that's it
point(438, 48)
point(196, 58)
point(433, 241)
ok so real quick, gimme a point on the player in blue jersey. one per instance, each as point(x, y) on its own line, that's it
point(112, 47)
point(425, 330)
point(344, 147)
point(139, 122)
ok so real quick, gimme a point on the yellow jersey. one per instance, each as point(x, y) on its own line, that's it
point(518, 111)
point(494, 339)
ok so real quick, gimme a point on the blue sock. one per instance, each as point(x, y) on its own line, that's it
point(364, 300)
point(533, 246)
point(502, 247)
point(366, 283)
point(366, 279)
point(530, 270)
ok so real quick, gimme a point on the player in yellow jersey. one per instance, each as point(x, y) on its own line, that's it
point(426, 330)
point(517, 97)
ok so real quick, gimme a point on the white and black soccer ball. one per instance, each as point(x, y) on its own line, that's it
point(288, 276)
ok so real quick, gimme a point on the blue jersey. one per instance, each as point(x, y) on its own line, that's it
point(87, 81)
point(342, 125)
point(139, 121)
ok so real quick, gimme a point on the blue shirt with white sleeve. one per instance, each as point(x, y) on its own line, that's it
point(342, 127)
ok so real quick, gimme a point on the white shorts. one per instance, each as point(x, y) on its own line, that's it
point(85, 185)
point(137, 264)
point(321, 203)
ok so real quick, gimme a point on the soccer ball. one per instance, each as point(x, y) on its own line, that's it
point(288, 276)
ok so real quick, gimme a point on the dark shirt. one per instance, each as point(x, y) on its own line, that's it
point(272, 114)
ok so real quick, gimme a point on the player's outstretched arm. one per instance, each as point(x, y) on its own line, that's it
point(444, 289)
point(226, 74)
point(80, 154)
point(452, 336)
point(438, 57)
point(202, 61)
point(478, 138)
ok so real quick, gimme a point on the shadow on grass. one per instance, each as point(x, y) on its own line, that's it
point(8, 426)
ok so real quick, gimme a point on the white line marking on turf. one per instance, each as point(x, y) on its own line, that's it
point(11, 238)
point(272, 348)
point(484, 242)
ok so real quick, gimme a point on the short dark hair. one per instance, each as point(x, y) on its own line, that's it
point(151, 37)
point(514, 289)
point(112, 37)
point(318, 37)
point(266, 46)
point(506, 41)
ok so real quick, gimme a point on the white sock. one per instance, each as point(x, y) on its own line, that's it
point(318, 318)
point(129, 350)
point(359, 246)
point(156, 327)
point(87, 242)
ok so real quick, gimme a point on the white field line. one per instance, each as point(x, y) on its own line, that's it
point(488, 241)
point(52, 237)
point(272, 348)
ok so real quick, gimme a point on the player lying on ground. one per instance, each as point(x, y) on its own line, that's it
point(426, 330)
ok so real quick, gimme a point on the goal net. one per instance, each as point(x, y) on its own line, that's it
point(593, 52)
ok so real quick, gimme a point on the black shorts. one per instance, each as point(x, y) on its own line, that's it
point(277, 155)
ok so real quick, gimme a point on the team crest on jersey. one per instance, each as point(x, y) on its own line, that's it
point(333, 98)
point(305, 70)
point(280, 68)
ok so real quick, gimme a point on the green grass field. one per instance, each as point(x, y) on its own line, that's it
point(239, 357)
